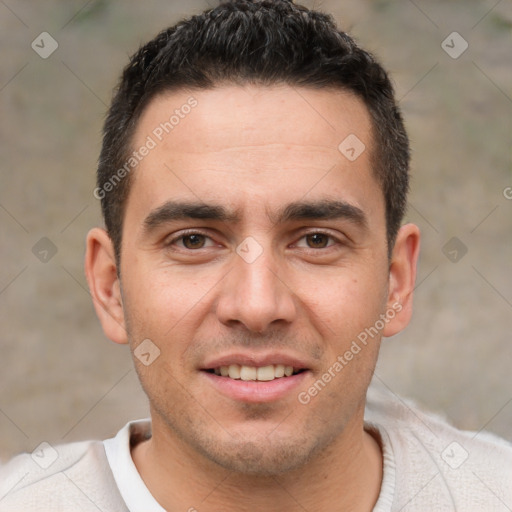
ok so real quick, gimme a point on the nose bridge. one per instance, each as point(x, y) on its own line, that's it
point(258, 281)
point(254, 293)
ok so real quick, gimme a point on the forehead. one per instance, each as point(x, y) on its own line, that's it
point(318, 116)
point(234, 144)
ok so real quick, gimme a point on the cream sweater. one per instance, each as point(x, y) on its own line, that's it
point(428, 466)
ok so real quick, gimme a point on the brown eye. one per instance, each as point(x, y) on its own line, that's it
point(190, 241)
point(317, 240)
point(195, 241)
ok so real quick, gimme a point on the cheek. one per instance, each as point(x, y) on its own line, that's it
point(342, 304)
point(162, 302)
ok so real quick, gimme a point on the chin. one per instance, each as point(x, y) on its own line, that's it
point(255, 444)
point(259, 459)
point(263, 454)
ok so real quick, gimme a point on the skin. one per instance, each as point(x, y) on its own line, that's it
point(254, 150)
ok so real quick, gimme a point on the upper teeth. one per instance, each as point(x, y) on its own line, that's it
point(270, 372)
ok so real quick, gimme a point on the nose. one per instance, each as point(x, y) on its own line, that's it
point(253, 294)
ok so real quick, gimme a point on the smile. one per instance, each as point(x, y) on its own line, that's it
point(255, 373)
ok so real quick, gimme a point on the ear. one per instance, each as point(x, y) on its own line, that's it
point(104, 285)
point(402, 276)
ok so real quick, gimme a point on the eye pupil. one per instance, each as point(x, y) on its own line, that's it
point(193, 241)
point(317, 240)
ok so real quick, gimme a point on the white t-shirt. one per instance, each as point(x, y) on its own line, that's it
point(131, 486)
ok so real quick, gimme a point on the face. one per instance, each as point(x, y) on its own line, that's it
point(251, 242)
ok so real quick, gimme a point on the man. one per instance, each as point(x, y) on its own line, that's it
point(253, 180)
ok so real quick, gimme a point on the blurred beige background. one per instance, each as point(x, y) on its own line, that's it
point(62, 380)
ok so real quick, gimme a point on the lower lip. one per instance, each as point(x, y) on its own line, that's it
point(254, 391)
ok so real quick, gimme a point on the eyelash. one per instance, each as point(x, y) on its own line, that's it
point(184, 234)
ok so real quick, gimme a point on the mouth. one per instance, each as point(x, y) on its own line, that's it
point(256, 378)
point(255, 373)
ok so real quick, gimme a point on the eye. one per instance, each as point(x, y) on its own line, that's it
point(318, 240)
point(191, 241)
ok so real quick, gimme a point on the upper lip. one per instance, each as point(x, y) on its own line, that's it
point(256, 360)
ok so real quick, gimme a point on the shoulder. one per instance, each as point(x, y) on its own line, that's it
point(435, 462)
point(74, 476)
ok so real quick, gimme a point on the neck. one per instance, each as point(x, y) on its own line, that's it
point(346, 475)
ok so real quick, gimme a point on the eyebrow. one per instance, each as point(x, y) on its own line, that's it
point(321, 210)
point(300, 210)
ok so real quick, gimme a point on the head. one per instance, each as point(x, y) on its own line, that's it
point(256, 221)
